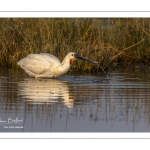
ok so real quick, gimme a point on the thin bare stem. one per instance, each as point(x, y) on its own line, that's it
point(146, 32)
point(121, 52)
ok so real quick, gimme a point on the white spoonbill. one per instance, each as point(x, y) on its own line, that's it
point(47, 65)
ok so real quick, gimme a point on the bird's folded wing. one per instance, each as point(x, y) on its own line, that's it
point(35, 63)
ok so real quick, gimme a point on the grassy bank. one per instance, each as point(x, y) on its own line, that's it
point(109, 41)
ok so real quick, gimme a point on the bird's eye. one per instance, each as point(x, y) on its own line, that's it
point(72, 55)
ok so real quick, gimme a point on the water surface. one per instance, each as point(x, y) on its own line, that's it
point(75, 103)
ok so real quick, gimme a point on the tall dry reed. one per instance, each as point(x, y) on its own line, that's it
point(107, 40)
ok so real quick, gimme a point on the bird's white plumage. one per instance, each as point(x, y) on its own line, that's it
point(45, 65)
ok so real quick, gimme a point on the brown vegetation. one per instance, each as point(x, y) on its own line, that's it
point(109, 41)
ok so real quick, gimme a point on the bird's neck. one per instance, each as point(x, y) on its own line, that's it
point(66, 62)
point(63, 68)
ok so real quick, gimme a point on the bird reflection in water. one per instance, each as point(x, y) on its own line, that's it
point(45, 91)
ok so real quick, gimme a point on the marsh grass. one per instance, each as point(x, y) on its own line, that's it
point(106, 40)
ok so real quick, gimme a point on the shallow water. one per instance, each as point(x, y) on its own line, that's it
point(75, 103)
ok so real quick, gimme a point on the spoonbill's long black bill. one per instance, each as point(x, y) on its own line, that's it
point(91, 61)
point(85, 59)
